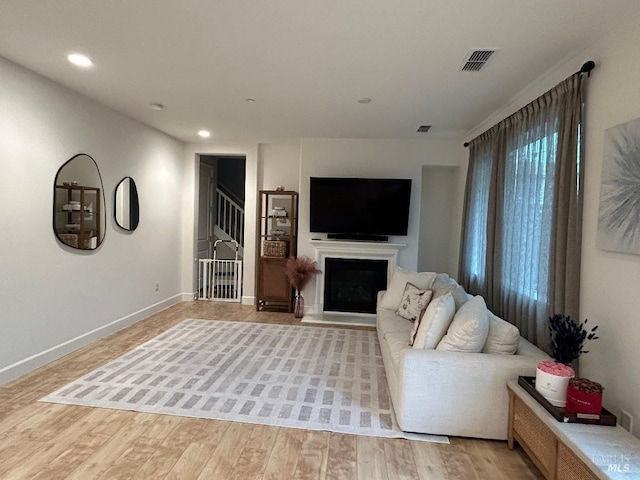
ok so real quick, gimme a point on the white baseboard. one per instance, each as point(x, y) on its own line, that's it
point(246, 300)
point(37, 360)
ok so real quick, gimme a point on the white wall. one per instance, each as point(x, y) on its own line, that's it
point(280, 165)
point(610, 281)
point(438, 214)
point(56, 299)
point(381, 159)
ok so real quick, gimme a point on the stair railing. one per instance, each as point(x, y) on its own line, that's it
point(230, 217)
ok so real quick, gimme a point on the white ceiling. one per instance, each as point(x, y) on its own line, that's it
point(305, 62)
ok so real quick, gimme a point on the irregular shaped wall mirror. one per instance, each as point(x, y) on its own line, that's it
point(127, 209)
point(79, 219)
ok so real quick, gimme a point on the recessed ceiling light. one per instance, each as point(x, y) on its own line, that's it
point(250, 100)
point(204, 133)
point(156, 106)
point(80, 60)
point(364, 100)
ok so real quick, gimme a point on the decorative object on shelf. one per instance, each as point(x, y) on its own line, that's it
point(568, 339)
point(584, 396)
point(561, 414)
point(280, 188)
point(299, 272)
point(277, 212)
point(275, 248)
point(552, 379)
point(79, 219)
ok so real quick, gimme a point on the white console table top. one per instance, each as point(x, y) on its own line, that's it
point(611, 452)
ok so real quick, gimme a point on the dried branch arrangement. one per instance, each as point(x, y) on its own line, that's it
point(568, 338)
point(300, 270)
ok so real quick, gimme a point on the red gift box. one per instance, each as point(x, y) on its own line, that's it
point(581, 402)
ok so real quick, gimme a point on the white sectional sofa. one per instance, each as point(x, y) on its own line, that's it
point(451, 392)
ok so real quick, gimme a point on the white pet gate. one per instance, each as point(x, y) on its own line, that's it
point(220, 280)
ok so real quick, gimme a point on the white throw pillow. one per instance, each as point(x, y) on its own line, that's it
point(503, 337)
point(469, 329)
point(433, 324)
point(393, 297)
point(414, 301)
point(452, 287)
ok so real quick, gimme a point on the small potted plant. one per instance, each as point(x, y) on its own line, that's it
point(568, 339)
point(299, 271)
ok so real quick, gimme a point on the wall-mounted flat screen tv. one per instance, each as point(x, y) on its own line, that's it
point(359, 206)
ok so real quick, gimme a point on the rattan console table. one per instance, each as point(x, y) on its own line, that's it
point(570, 451)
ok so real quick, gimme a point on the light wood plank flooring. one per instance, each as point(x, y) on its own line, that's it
point(47, 441)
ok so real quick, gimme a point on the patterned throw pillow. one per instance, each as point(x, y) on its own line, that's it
point(414, 301)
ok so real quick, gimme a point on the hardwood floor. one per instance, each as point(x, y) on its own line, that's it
point(48, 441)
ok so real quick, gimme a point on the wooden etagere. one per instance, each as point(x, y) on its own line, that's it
point(277, 241)
point(77, 220)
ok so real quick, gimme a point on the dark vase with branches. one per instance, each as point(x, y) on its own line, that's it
point(299, 272)
point(569, 338)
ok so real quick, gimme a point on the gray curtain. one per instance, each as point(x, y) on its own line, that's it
point(522, 224)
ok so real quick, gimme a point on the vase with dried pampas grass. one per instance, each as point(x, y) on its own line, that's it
point(299, 271)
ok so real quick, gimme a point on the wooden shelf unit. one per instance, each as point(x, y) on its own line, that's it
point(86, 216)
point(277, 241)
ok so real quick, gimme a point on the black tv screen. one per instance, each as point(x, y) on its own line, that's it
point(359, 206)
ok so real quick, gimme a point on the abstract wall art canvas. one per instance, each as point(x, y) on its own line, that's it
point(619, 215)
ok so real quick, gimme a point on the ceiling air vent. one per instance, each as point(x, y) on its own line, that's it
point(476, 60)
point(424, 128)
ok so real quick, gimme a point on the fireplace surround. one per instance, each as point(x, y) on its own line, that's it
point(348, 250)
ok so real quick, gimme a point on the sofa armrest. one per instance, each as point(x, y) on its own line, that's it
point(470, 365)
point(456, 393)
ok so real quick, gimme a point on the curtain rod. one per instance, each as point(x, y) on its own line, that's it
point(586, 68)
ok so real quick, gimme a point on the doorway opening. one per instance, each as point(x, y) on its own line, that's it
point(221, 218)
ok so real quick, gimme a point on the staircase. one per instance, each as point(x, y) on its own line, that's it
point(229, 221)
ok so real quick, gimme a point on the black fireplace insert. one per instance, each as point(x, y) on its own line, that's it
point(352, 285)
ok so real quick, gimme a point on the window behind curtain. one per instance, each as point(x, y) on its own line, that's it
point(526, 230)
point(478, 196)
point(521, 240)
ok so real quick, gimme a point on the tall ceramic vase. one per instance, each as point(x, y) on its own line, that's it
point(298, 306)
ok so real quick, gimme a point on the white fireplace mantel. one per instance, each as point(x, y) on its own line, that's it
point(354, 249)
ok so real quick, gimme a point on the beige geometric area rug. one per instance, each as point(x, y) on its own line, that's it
point(283, 375)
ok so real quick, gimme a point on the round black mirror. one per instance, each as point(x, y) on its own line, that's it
point(79, 218)
point(127, 208)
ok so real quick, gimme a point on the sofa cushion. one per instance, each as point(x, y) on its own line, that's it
point(433, 324)
point(393, 297)
point(389, 322)
point(397, 342)
point(440, 280)
point(503, 337)
point(469, 329)
point(414, 301)
point(460, 297)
